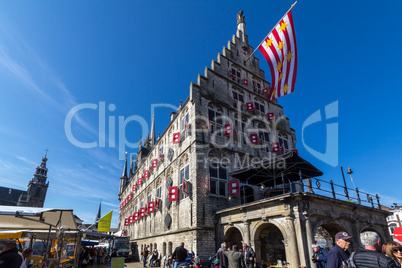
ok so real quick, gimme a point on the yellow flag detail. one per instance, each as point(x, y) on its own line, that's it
point(104, 222)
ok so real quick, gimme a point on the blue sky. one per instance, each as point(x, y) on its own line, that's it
point(55, 55)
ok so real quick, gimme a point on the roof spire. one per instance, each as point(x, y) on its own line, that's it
point(125, 168)
point(241, 27)
point(131, 166)
point(153, 137)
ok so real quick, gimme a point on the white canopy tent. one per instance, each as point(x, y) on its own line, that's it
point(23, 218)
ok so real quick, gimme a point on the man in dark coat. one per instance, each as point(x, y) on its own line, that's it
point(369, 256)
point(235, 258)
point(179, 255)
point(339, 253)
point(249, 255)
point(10, 258)
point(223, 260)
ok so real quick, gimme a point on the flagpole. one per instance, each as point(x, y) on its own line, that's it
point(270, 31)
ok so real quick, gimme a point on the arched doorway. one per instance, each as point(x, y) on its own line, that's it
point(233, 236)
point(164, 249)
point(323, 238)
point(271, 247)
point(246, 194)
point(324, 235)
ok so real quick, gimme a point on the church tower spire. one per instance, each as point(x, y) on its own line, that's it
point(37, 187)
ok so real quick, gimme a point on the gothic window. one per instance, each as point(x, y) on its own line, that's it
point(238, 100)
point(263, 138)
point(142, 204)
point(159, 192)
point(240, 131)
point(218, 178)
point(215, 121)
point(283, 142)
point(257, 86)
point(236, 75)
point(184, 177)
point(150, 198)
point(259, 107)
point(184, 126)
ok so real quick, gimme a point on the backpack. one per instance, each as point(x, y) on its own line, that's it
point(349, 263)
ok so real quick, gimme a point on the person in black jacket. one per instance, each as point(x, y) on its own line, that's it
point(10, 258)
point(369, 256)
point(179, 255)
point(249, 255)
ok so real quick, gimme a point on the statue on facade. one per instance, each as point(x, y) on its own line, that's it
point(240, 17)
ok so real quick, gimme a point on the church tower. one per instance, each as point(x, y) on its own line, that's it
point(37, 187)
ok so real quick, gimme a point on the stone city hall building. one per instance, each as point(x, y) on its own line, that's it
point(226, 169)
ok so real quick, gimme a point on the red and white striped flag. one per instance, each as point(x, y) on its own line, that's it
point(279, 49)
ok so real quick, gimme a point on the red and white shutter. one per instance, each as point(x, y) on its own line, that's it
point(125, 221)
point(151, 207)
point(270, 116)
point(135, 216)
point(234, 189)
point(176, 137)
point(154, 163)
point(250, 106)
point(228, 130)
point(139, 181)
point(254, 138)
point(265, 91)
point(173, 193)
point(130, 220)
point(230, 73)
point(146, 173)
point(245, 81)
point(275, 147)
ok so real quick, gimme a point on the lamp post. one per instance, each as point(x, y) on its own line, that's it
point(344, 181)
point(350, 172)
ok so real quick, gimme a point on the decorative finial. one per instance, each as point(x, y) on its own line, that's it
point(240, 17)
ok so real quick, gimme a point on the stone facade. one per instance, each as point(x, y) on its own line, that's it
point(218, 98)
point(296, 218)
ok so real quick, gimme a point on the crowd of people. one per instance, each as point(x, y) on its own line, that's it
point(372, 254)
point(234, 257)
point(92, 255)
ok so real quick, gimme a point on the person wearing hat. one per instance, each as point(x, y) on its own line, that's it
point(339, 253)
point(235, 258)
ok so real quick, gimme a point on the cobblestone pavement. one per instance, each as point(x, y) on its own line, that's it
point(126, 265)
